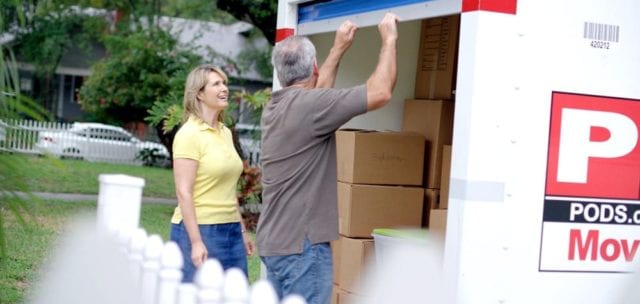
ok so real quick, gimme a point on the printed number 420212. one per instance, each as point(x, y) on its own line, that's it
point(600, 44)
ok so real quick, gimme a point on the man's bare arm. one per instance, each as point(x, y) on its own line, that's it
point(329, 70)
point(381, 83)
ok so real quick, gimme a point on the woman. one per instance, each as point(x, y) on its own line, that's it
point(206, 168)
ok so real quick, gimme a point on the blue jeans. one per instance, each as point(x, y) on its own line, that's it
point(224, 242)
point(309, 274)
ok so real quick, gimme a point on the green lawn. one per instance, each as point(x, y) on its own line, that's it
point(30, 245)
point(45, 174)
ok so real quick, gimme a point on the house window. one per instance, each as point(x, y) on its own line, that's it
point(26, 84)
point(68, 107)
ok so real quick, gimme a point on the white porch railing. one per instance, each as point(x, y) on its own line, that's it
point(150, 264)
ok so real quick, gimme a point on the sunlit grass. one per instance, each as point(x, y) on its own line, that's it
point(47, 174)
point(29, 246)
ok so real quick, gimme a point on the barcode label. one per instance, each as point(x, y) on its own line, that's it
point(602, 32)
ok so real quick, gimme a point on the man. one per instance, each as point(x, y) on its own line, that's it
point(299, 216)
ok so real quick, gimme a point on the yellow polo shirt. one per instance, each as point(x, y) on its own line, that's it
point(219, 167)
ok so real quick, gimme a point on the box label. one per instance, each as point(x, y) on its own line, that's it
point(591, 217)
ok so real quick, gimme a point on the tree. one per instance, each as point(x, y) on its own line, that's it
point(261, 13)
point(142, 67)
point(45, 37)
point(205, 10)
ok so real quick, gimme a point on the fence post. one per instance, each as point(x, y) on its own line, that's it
point(150, 268)
point(236, 287)
point(123, 237)
point(263, 293)
point(263, 270)
point(136, 251)
point(170, 274)
point(209, 279)
point(294, 299)
point(187, 293)
point(119, 202)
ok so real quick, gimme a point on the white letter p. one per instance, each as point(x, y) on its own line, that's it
point(576, 146)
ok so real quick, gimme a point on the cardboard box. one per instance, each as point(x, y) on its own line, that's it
point(438, 230)
point(434, 120)
point(437, 58)
point(380, 158)
point(431, 199)
point(362, 208)
point(345, 297)
point(335, 255)
point(445, 176)
point(438, 222)
point(357, 255)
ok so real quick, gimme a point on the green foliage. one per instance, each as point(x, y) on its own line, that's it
point(261, 13)
point(151, 157)
point(11, 12)
point(142, 67)
point(48, 37)
point(205, 10)
point(12, 175)
point(249, 190)
point(12, 103)
point(44, 31)
point(254, 101)
point(168, 111)
point(260, 59)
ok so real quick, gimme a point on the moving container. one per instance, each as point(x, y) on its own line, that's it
point(544, 187)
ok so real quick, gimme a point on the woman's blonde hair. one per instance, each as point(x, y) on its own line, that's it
point(196, 81)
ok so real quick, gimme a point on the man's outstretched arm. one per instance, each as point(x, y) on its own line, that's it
point(381, 83)
point(342, 42)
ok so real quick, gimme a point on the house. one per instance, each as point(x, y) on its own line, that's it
point(227, 41)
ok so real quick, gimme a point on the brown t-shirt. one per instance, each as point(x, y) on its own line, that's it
point(299, 194)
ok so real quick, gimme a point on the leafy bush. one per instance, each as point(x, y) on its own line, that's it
point(249, 191)
point(151, 157)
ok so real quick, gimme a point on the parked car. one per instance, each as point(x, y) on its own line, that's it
point(101, 142)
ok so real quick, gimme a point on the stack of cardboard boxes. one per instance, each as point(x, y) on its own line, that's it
point(431, 112)
point(395, 179)
point(434, 120)
point(379, 186)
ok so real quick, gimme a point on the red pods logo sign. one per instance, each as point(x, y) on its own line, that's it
point(591, 219)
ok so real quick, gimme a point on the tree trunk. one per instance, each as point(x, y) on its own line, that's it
point(167, 138)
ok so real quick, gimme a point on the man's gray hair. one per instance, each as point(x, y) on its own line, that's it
point(293, 59)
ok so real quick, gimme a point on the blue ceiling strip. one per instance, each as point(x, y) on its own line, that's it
point(327, 9)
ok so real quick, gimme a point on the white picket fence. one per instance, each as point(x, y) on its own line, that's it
point(101, 143)
point(156, 268)
point(22, 135)
point(155, 265)
point(88, 141)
